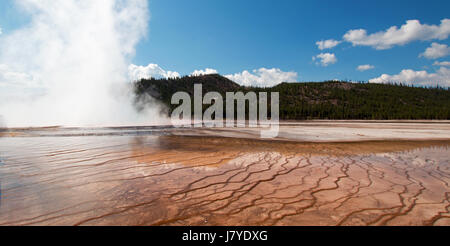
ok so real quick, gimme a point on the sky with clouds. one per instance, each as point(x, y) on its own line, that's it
point(263, 43)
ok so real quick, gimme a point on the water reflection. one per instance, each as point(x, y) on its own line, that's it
point(124, 179)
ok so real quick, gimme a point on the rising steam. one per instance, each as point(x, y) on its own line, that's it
point(68, 65)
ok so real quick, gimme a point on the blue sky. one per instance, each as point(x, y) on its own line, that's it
point(234, 35)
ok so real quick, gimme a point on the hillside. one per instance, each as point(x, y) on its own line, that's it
point(321, 100)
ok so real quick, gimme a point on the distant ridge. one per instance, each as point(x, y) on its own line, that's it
point(320, 100)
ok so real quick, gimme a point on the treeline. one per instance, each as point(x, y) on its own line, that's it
point(320, 100)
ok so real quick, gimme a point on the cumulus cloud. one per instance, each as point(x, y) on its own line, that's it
point(1, 31)
point(366, 67)
point(204, 72)
point(325, 59)
point(413, 30)
point(436, 51)
point(443, 63)
point(263, 77)
point(327, 44)
point(75, 54)
point(150, 71)
point(421, 78)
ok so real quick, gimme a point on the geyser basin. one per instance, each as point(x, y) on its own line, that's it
point(124, 179)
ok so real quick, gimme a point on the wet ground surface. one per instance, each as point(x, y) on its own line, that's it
point(159, 179)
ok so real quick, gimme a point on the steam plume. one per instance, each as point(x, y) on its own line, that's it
point(69, 65)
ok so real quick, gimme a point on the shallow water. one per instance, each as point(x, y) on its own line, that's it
point(86, 177)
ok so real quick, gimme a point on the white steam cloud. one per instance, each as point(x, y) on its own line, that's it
point(69, 64)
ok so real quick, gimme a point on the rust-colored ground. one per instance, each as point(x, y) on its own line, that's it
point(181, 180)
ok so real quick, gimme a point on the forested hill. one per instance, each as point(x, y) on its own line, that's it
point(321, 100)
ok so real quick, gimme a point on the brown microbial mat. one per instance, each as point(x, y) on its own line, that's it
point(199, 180)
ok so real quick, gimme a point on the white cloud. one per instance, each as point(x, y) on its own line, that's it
point(411, 31)
point(327, 44)
point(150, 71)
point(263, 77)
point(366, 67)
point(436, 51)
point(444, 63)
point(1, 31)
point(325, 59)
point(421, 78)
point(204, 72)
